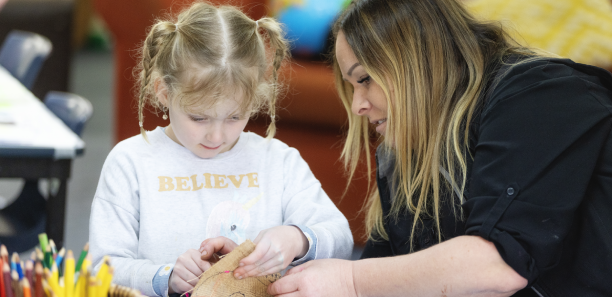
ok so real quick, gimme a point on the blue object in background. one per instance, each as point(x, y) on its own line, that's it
point(308, 24)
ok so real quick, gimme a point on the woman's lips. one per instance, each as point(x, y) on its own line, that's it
point(381, 126)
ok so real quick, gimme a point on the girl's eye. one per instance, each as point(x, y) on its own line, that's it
point(198, 119)
point(235, 118)
point(364, 80)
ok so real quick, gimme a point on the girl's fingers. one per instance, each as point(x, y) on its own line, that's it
point(262, 253)
point(202, 265)
point(183, 275)
point(183, 286)
point(271, 266)
point(189, 264)
point(221, 245)
point(273, 269)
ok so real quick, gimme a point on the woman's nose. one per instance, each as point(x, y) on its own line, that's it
point(360, 105)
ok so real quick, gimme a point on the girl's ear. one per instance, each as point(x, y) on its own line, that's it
point(161, 91)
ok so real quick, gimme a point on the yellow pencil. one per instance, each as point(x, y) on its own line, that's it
point(81, 287)
point(54, 280)
point(103, 268)
point(62, 287)
point(92, 287)
point(69, 274)
point(48, 289)
point(108, 279)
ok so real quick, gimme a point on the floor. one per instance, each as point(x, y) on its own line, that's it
point(91, 77)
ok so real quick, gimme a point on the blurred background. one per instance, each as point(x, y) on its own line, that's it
point(94, 48)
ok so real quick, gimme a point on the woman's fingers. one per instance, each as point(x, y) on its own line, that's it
point(286, 285)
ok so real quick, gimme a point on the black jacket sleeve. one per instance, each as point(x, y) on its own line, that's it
point(539, 137)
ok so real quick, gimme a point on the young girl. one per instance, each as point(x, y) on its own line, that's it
point(201, 177)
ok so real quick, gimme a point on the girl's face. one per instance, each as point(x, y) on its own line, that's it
point(368, 97)
point(209, 133)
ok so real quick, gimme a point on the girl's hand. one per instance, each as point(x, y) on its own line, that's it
point(276, 248)
point(328, 277)
point(212, 247)
point(187, 269)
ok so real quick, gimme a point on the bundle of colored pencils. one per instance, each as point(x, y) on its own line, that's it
point(43, 276)
point(19, 279)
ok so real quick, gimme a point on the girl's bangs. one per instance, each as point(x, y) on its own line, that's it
point(201, 94)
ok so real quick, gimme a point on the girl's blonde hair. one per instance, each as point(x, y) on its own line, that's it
point(210, 53)
point(437, 59)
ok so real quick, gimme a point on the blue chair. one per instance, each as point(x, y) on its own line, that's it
point(23, 54)
point(72, 109)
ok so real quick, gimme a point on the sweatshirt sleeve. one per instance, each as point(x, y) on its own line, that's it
point(114, 225)
point(306, 204)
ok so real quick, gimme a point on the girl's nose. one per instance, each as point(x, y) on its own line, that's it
point(215, 134)
point(360, 105)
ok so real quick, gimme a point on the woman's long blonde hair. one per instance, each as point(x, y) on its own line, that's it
point(226, 49)
point(437, 59)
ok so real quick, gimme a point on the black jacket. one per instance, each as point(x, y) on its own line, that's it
point(539, 184)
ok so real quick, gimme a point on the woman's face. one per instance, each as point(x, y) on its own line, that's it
point(368, 97)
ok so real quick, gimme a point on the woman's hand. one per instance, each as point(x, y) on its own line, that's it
point(187, 269)
point(276, 248)
point(328, 277)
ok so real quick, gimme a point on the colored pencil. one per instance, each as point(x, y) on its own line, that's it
point(14, 262)
point(6, 274)
point(16, 285)
point(48, 258)
point(81, 288)
point(82, 258)
point(43, 240)
point(53, 248)
point(48, 289)
point(60, 257)
point(29, 272)
point(4, 253)
point(106, 282)
point(25, 286)
point(69, 274)
point(38, 287)
point(54, 280)
point(62, 287)
point(93, 287)
point(2, 289)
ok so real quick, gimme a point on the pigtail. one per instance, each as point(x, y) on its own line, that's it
point(281, 51)
point(153, 45)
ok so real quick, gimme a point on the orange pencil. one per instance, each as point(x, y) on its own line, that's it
point(6, 275)
point(25, 286)
point(38, 287)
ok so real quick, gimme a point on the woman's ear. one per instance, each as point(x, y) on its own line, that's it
point(161, 91)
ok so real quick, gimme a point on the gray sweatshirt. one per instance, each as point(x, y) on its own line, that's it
point(156, 200)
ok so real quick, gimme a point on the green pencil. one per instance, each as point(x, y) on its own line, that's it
point(44, 241)
point(48, 258)
point(81, 258)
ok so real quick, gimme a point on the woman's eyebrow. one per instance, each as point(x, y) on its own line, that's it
point(352, 68)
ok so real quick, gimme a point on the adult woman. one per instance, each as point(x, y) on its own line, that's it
point(521, 141)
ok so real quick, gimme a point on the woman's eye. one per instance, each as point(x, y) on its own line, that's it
point(235, 118)
point(364, 80)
